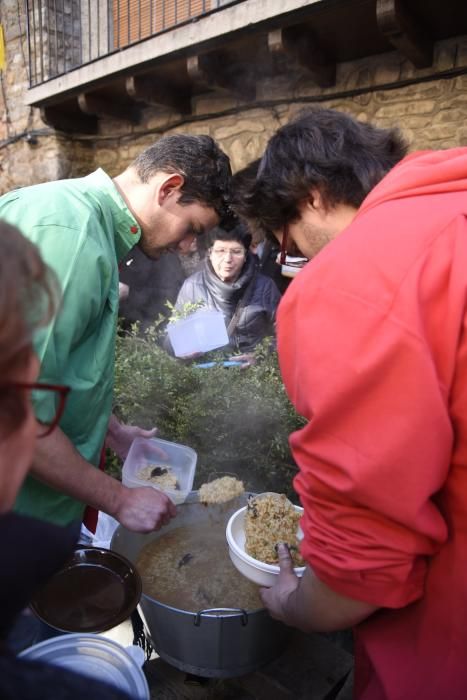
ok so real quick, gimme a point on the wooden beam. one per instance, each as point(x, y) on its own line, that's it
point(299, 44)
point(405, 32)
point(220, 71)
point(101, 107)
point(63, 120)
point(158, 93)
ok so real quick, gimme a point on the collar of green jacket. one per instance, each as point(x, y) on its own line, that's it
point(127, 230)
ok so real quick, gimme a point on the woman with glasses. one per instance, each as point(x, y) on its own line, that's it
point(32, 550)
point(229, 281)
point(28, 293)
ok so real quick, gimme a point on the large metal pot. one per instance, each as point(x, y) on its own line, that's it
point(215, 643)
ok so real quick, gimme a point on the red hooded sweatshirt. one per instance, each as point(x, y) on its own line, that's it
point(373, 350)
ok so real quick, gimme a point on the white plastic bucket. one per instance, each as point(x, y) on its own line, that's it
point(202, 331)
point(96, 657)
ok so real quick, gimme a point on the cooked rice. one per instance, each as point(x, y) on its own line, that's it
point(160, 475)
point(221, 490)
point(270, 519)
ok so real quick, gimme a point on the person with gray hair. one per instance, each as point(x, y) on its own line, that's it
point(229, 281)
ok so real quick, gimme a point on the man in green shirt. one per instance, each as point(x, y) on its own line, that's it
point(175, 190)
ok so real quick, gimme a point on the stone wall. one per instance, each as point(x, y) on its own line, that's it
point(385, 89)
point(21, 162)
point(430, 106)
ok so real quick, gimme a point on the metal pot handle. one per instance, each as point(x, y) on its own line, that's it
point(233, 611)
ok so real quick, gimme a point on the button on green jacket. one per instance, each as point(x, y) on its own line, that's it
point(83, 228)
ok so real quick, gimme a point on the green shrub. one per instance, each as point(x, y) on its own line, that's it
point(237, 420)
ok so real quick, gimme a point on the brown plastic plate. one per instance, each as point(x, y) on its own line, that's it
point(96, 590)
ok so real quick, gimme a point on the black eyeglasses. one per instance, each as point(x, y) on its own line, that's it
point(60, 392)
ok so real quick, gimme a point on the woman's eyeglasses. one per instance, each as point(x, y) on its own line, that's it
point(60, 393)
point(224, 252)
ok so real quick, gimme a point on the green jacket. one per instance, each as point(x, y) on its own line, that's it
point(82, 228)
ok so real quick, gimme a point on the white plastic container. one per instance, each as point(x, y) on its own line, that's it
point(96, 657)
point(179, 458)
point(255, 570)
point(202, 331)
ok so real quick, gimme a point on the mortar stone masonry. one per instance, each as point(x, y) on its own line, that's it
point(431, 114)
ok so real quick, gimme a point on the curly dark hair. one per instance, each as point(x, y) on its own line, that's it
point(323, 149)
point(204, 166)
point(242, 183)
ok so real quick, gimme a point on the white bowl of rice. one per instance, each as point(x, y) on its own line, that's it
point(260, 572)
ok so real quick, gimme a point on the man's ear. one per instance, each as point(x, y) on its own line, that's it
point(171, 185)
point(314, 200)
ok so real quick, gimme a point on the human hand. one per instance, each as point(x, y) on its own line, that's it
point(275, 598)
point(119, 437)
point(144, 509)
point(247, 359)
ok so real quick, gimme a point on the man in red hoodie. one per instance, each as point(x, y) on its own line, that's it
point(373, 350)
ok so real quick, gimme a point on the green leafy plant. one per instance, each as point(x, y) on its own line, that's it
point(188, 308)
point(237, 420)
